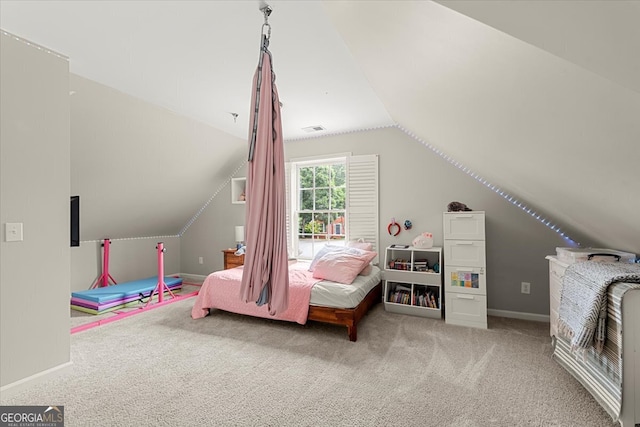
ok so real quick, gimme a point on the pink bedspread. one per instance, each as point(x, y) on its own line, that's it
point(222, 290)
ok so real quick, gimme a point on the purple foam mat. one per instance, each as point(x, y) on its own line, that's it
point(94, 306)
point(119, 291)
point(101, 306)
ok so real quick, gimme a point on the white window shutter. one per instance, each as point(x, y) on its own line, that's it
point(362, 199)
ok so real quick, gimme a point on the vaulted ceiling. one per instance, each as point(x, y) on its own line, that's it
point(541, 98)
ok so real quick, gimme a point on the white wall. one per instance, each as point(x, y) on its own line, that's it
point(212, 232)
point(600, 35)
point(129, 259)
point(141, 170)
point(35, 272)
point(536, 124)
point(415, 184)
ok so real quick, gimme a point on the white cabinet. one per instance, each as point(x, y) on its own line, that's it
point(464, 225)
point(465, 278)
point(413, 281)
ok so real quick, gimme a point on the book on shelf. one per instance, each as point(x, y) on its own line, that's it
point(421, 265)
point(425, 299)
point(400, 264)
point(402, 296)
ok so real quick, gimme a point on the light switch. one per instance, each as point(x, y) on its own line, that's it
point(13, 232)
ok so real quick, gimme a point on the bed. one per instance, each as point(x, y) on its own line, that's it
point(309, 298)
point(612, 376)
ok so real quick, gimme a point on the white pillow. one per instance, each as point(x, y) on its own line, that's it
point(360, 244)
point(323, 251)
point(342, 267)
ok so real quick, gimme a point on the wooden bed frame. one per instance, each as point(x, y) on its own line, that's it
point(348, 317)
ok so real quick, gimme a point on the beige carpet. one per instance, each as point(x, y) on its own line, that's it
point(161, 368)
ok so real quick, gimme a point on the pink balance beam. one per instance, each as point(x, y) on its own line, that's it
point(161, 286)
point(103, 280)
point(122, 315)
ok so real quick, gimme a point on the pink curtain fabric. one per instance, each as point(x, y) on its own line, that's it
point(266, 279)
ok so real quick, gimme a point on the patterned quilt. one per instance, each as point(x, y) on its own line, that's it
point(598, 365)
point(583, 302)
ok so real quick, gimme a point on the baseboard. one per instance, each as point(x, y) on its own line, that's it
point(28, 382)
point(193, 278)
point(518, 315)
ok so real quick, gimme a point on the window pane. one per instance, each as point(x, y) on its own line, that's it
point(323, 176)
point(338, 175)
point(322, 222)
point(312, 227)
point(321, 191)
point(337, 227)
point(305, 249)
point(306, 200)
point(322, 198)
point(304, 225)
point(337, 198)
point(306, 177)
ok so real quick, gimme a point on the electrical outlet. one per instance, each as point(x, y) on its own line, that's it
point(200, 260)
point(525, 287)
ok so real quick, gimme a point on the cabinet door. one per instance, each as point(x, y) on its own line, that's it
point(466, 280)
point(459, 225)
point(465, 253)
point(467, 310)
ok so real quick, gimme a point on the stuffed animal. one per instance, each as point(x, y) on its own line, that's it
point(457, 207)
point(423, 241)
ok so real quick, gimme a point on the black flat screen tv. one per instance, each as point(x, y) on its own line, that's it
point(75, 220)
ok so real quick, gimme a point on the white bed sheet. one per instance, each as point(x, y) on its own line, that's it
point(337, 295)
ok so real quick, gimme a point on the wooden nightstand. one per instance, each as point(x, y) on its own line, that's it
point(231, 260)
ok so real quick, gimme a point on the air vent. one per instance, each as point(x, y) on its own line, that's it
point(311, 129)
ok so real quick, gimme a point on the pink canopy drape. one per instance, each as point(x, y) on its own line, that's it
point(266, 276)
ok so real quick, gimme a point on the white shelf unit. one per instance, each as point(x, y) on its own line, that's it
point(238, 187)
point(407, 289)
point(465, 279)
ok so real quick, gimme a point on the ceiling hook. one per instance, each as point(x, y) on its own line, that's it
point(266, 11)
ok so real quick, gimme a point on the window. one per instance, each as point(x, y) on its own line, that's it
point(331, 200)
point(319, 205)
